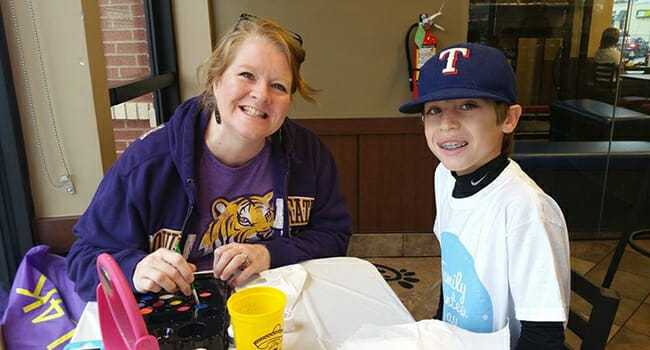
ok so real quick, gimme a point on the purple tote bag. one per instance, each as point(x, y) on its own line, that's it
point(43, 308)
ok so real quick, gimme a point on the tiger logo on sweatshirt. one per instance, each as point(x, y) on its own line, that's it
point(246, 219)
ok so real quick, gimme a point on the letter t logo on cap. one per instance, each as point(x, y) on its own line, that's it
point(451, 55)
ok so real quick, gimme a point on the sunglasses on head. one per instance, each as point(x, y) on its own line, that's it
point(247, 17)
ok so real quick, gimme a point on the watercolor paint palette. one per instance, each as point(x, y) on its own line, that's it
point(179, 323)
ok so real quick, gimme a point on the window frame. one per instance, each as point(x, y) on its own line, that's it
point(16, 206)
point(163, 81)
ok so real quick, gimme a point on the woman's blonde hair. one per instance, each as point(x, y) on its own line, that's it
point(247, 27)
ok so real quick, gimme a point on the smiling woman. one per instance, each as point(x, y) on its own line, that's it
point(223, 178)
point(252, 100)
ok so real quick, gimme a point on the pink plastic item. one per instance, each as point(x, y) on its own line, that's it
point(120, 320)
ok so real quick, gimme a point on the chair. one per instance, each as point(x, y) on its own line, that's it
point(633, 243)
point(603, 81)
point(632, 233)
point(594, 333)
point(605, 74)
point(594, 330)
point(630, 238)
point(2, 343)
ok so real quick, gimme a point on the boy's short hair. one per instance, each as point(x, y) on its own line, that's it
point(465, 70)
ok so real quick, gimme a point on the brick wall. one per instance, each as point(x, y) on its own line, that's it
point(127, 59)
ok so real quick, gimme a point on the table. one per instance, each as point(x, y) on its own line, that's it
point(644, 76)
point(574, 173)
point(635, 86)
point(591, 120)
point(339, 296)
point(636, 69)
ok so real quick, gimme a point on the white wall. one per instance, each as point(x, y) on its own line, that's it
point(78, 100)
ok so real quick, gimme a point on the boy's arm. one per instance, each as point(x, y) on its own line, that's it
point(541, 335)
point(538, 247)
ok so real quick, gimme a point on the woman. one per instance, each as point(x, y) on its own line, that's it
point(607, 52)
point(229, 180)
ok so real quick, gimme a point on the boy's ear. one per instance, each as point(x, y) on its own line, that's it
point(512, 118)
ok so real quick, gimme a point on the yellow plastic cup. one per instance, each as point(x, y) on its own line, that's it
point(257, 316)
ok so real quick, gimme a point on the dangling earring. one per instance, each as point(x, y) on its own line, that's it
point(211, 105)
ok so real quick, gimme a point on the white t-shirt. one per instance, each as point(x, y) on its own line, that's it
point(608, 55)
point(505, 254)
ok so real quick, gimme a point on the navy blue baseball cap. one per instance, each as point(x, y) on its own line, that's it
point(464, 71)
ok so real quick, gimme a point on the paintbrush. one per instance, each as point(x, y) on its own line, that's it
point(196, 297)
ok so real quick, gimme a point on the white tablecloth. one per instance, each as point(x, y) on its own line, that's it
point(339, 296)
point(345, 303)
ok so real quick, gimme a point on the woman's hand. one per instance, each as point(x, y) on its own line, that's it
point(249, 258)
point(163, 269)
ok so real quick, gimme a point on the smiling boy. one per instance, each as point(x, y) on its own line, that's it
point(504, 242)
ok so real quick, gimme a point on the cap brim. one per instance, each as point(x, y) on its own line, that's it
point(417, 105)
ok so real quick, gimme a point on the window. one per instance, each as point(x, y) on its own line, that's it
point(141, 70)
point(643, 13)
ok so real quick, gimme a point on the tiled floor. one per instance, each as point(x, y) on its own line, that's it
point(416, 280)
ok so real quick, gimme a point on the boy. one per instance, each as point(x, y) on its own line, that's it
point(504, 242)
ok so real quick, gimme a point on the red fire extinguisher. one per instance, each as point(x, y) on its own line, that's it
point(425, 45)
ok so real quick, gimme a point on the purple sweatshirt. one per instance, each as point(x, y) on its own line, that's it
point(152, 188)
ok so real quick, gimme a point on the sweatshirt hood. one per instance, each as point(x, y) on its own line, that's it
point(185, 128)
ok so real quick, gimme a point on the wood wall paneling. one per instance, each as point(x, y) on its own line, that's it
point(344, 151)
point(395, 184)
point(364, 126)
point(386, 171)
point(56, 232)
